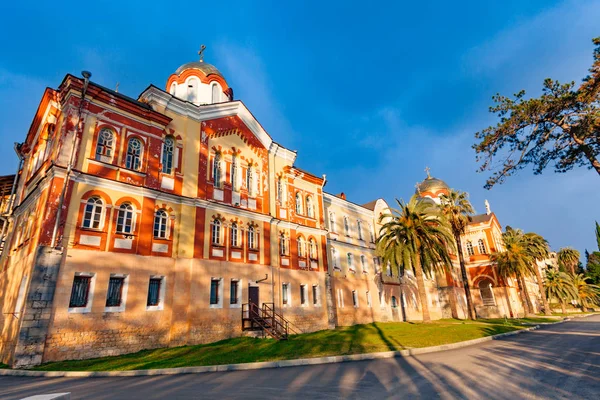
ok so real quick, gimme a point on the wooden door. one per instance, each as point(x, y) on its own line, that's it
point(253, 298)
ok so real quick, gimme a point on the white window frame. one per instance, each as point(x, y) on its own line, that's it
point(369, 299)
point(161, 293)
point(346, 226)
point(124, 289)
point(316, 290)
point(310, 207)
point(216, 231)
point(163, 223)
point(299, 205)
point(220, 292)
point(239, 293)
point(234, 235)
point(364, 264)
point(90, 297)
point(167, 158)
point(340, 296)
point(286, 288)
point(107, 146)
point(21, 296)
point(131, 211)
point(359, 229)
point(304, 292)
point(98, 202)
point(133, 159)
point(350, 261)
point(355, 302)
point(332, 222)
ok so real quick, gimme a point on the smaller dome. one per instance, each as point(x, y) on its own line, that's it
point(431, 185)
point(206, 68)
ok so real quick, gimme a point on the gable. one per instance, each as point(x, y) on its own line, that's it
point(234, 128)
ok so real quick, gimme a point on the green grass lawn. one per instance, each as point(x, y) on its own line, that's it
point(346, 340)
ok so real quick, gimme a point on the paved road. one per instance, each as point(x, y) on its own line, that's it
point(559, 361)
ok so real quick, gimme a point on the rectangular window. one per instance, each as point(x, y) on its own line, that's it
point(214, 291)
point(284, 293)
point(233, 292)
point(315, 293)
point(340, 298)
point(80, 291)
point(21, 296)
point(369, 300)
point(115, 292)
point(355, 298)
point(303, 295)
point(154, 292)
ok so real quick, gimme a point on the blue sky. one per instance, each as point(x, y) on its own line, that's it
point(367, 93)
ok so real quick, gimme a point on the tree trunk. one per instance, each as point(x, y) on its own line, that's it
point(507, 294)
point(563, 305)
point(524, 299)
point(421, 289)
point(463, 272)
point(527, 297)
point(540, 281)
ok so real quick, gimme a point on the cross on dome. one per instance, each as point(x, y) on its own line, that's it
point(201, 52)
point(427, 169)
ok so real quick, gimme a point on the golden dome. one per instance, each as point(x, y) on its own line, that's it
point(206, 68)
point(432, 185)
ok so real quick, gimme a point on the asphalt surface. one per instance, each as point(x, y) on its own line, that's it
point(557, 361)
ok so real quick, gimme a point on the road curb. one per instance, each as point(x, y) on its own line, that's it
point(260, 365)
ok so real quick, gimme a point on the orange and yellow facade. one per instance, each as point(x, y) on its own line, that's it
point(144, 223)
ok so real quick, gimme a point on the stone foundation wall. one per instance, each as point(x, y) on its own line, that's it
point(70, 345)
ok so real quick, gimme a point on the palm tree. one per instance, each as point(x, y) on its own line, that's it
point(538, 248)
point(516, 261)
point(415, 236)
point(588, 295)
point(458, 210)
point(560, 286)
point(568, 259)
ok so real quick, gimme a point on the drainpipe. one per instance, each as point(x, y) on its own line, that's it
point(86, 81)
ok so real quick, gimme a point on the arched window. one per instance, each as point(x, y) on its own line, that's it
point(234, 172)
point(167, 155)
point(469, 247)
point(371, 233)
point(216, 93)
point(125, 218)
point(280, 189)
point(161, 220)
point(283, 245)
point(299, 203)
point(250, 180)
point(217, 170)
point(310, 209)
point(235, 235)
point(487, 293)
point(134, 152)
point(334, 258)
point(252, 238)
point(350, 258)
point(301, 247)
point(216, 232)
point(92, 217)
point(481, 246)
point(359, 229)
point(312, 249)
point(346, 226)
point(332, 222)
point(105, 145)
point(192, 90)
point(363, 263)
point(173, 88)
point(394, 302)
